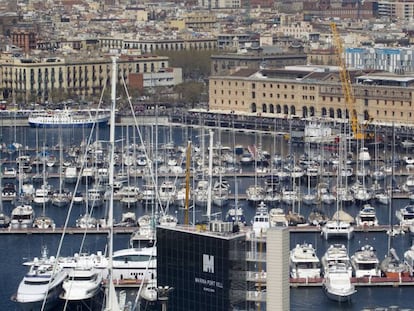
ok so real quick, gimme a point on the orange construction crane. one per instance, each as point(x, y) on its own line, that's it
point(358, 129)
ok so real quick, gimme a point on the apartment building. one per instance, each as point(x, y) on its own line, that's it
point(34, 78)
point(302, 92)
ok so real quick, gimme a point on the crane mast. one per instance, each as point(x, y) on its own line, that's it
point(346, 85)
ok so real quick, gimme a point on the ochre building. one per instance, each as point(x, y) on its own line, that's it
point(380, 97)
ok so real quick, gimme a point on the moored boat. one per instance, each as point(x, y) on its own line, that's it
point(41, 285)
point(337, 283)
point(304, 263)
point(68, 118)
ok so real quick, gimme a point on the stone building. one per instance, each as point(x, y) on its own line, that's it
point(300, 92)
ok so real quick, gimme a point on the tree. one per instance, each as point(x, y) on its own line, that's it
point(190, 92)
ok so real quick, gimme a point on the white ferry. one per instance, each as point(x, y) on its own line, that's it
point(69, 118)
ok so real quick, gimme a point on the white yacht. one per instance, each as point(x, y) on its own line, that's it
point(278, 217)
point(42, 282)
point(22, 216)
point(337, 283)
point(86, 221)
point(364, 155)
point(367, 216)
point(167, 192)
point(43, 222)
point(336, 253)
point(365, 262)
point(304, 263)
point(261, 221)
point(168, 220)
point(290, 196)
point(136, 264)
point(129, 195)
point(409, 259)
point(220, 193)
point(42, 195)
point(201, 193)
point(255, 194)
point(85, 276)
point(408, 185)
point(337, 228)
point(406, 216)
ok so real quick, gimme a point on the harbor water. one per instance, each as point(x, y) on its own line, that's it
point(18, 248)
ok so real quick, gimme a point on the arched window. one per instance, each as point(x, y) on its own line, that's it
point(366, 115)
point(331, 113)
point(339, 113)
point(278, 109)
point(253, 107)
point(271, 108)
point(304, 111)
point(292, 110)
point(312, 111)
point(285, 109)
point(323, 112)
point(264, 108)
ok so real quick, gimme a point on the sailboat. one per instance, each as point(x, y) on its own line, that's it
point(4, 219)
point(111, 301)
point(391, 266)
point(61, 198)
point(340, 225)
point(22, 215)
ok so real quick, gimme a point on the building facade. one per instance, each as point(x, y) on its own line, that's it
point(41, 79)
point(206, 269)
point(225, 64)
point(396, 9)
point(295, 93)
point(398, 60)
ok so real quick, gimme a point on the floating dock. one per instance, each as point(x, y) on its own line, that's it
point(365, 281)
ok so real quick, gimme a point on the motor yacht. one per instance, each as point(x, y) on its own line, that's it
point(261, 220)
point(255, 194)
point(220, 193)
point(337, 228)
point(168, 220)
point(42, 284)
point(278, 218)
point(336, 253)
point(365, 262)
point(236, 215)
point(22, 216)
point(337, 283)
point(304, 263)
point(367, 216)
point(167, 192)
point(85, 276)
point(406, 216)
point(409, 259)
point(136, 264)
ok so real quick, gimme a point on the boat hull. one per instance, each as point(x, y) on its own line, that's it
point(102, 122)
point(338, 296)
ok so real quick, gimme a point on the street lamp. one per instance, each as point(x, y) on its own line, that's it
point(163, 292)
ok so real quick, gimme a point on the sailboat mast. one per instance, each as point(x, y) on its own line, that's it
point(210, 175)
point(111, 297)
point(187, 182)
point(391, 188)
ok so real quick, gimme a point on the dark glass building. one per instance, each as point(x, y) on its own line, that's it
point(207, 269)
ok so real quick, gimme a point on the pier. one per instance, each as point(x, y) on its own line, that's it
point(365, 281)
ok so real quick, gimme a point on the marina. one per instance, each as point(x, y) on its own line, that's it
point(239, 180)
